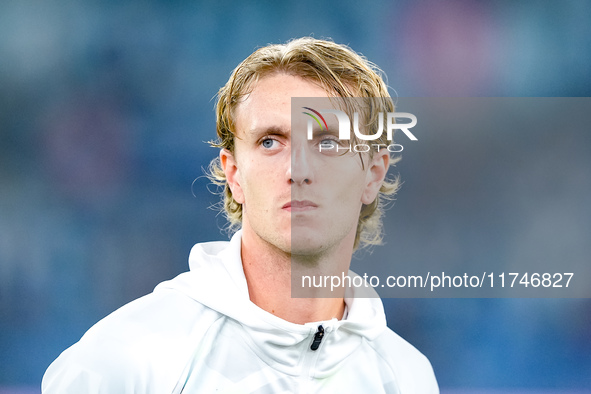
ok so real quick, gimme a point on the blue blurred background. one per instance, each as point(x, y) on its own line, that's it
point(104, 110)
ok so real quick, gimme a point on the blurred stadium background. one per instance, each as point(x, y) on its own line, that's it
point(104, 110)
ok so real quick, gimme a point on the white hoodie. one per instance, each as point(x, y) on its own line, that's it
point(200, 333)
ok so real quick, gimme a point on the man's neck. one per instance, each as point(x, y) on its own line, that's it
point(268, 274)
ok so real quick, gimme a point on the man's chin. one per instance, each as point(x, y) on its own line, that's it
point(307, 246)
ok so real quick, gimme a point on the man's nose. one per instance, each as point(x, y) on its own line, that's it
point(300, 169)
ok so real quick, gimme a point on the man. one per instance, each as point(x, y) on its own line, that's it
point(231, 325)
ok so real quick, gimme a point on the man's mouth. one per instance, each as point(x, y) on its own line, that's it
point(299, 206)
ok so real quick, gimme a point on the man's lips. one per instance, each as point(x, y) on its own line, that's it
point(297, 205)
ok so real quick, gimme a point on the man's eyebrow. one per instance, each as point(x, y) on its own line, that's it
point(272, 130)
point(334, 131)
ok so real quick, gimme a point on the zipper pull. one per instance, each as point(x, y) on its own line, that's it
point(317, 338)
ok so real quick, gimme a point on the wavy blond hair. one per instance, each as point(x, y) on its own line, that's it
point(342, 72)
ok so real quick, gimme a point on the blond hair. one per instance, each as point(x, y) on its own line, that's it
point(340, 71)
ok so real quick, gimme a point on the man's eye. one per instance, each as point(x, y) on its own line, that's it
point(268, 143)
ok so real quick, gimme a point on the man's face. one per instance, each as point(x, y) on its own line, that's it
point(294, 197)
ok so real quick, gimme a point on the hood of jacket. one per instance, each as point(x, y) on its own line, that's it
point(216, 280)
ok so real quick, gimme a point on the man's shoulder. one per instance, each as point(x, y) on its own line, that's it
point(390, 343)
point(411, 367)
point(155, 332)
point(160, 318)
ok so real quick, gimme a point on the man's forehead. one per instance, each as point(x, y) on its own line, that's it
point(252, 120)
point(269, 105)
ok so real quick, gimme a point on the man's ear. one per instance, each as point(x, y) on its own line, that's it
point(378, 168)
point(232, 172)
